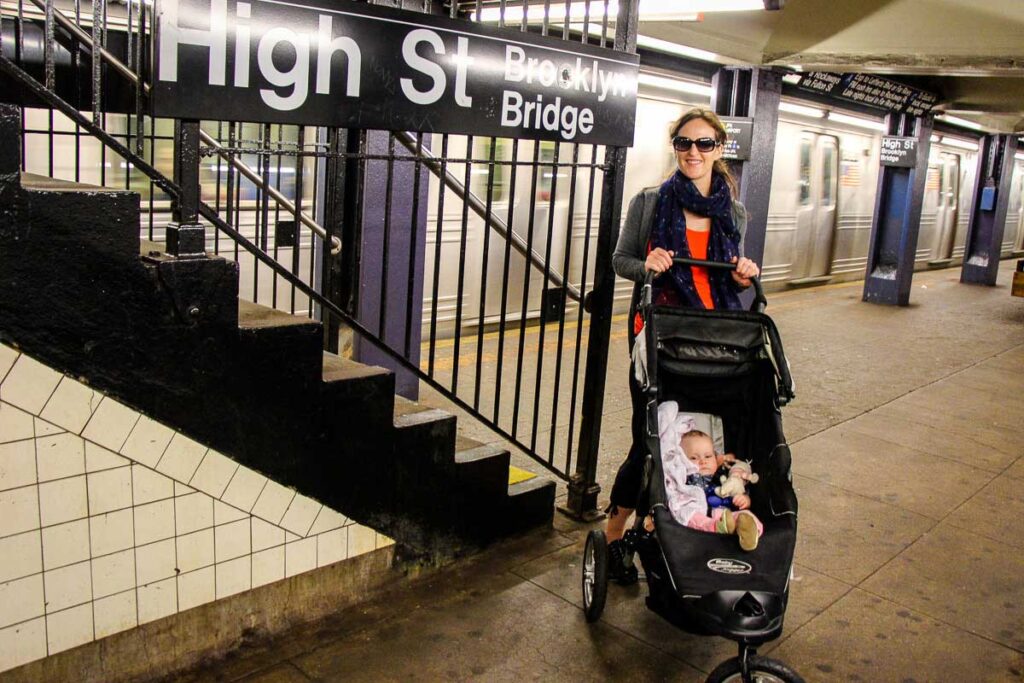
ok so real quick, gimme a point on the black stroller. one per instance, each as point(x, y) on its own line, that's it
point(729, 364)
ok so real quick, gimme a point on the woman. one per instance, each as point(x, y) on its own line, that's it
point(692, 214)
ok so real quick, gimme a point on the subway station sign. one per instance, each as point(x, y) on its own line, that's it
point(345, 64)
point(898, 151)
point(870, 90)
point(741, 132)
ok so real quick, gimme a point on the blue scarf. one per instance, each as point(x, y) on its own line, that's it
point(669, 233)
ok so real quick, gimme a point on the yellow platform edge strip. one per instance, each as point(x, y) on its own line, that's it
point(517, 475)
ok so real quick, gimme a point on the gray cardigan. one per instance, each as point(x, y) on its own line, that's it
point(631, 249)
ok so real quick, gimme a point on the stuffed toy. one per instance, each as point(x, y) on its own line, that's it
point(735, 482)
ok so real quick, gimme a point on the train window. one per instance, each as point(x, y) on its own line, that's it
point(805, 172)
point(498, 176)
point(828, 162)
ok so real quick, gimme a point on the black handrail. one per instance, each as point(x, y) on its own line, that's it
point(38, 89)
point(757, 305)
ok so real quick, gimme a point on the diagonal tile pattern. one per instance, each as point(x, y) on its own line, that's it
point(109, 519)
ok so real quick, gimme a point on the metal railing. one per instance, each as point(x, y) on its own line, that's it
point(473, 265)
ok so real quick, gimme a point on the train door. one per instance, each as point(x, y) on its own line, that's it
point(947, 210)
point(816, 214)
point(1014, 232)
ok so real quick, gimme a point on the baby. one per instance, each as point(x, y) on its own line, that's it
point(690, 463)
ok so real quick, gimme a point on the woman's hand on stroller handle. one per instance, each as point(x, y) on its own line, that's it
point(742, 267)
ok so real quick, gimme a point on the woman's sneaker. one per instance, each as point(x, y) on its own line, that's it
point(618, 570)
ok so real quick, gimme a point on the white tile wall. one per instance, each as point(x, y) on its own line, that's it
point(19, 510)
point(58, 456)
point(68, 586)
point(29, 384)
point(22, 643)
point(15, 424)
point(65, 630)
point(63, 501)
point(22, 555)
point(147, 442)
point(115, 613)
point(131, 522)
point(17, 463)
point(110, 425)
point(234, 576)
point(110, 490)
point(181, 458)
point(65, 544)
point(71, 405)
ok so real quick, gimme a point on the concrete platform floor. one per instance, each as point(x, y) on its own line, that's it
point(908, 442)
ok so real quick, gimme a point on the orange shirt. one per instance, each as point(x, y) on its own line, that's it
point(698, 241)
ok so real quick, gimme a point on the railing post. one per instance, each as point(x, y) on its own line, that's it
point(583, 487)
point(186, 236)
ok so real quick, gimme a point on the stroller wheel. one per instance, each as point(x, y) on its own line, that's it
point(762, 670)
point(595, 575)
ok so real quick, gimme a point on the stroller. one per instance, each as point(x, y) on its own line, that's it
point(729, 364)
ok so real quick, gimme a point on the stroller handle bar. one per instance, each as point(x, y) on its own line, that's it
point(758, 305)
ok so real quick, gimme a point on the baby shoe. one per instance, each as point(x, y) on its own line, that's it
point(746, 529)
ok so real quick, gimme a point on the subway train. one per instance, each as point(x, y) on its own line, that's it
point(823, 190)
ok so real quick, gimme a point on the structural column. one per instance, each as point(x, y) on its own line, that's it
point(752, 93)
point(897, 218)
point(389, 300)
point(988, 210)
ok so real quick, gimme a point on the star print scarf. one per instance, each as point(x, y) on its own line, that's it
point(669, 232)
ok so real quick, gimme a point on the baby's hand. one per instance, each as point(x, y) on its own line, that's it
point(741, 501)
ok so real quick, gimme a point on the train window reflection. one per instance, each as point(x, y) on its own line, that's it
point(805, 172)
point(498, 176)
point(828, 162)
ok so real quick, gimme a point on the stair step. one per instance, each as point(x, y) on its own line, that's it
point(337, 369)
point(256, 316)
point(32, 181)
point(530, 504)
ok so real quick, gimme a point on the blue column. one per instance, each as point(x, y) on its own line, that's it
point(988, 211)
point(897, 219)
point(405, 232)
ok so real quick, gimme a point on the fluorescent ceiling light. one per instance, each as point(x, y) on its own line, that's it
point(960, 144)
point(963, 123)
point(792, 79)
point(856, 121)
point(676, 85)
point(649, 10)
point(802, 110)
point(934, 139)
point(672, 48)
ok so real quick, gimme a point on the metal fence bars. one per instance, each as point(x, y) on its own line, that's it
point(473, 264)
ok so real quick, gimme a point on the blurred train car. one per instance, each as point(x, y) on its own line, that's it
point(822, 200)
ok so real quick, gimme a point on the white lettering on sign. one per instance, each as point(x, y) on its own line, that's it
point(553, 116)
point(591, 78)
point(216, 38)
point(296, 78)
point(325, 53)
point(256, 58)
point(424, 66)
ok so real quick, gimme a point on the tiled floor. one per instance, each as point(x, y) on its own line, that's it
point(908, 440)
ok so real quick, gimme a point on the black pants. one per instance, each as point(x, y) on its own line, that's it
point(630, 476)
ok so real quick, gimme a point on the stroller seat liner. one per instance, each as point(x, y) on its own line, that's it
point(700, 562)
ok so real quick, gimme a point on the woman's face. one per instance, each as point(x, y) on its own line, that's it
point(693, 163)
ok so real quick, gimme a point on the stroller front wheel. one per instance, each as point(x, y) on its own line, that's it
point(761, 670)
point(595, 574)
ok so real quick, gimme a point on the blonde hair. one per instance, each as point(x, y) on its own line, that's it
point(721, 135)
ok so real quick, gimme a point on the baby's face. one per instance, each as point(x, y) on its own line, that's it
point(701, 452)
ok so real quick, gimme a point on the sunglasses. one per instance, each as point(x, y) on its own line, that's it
point(681, 144)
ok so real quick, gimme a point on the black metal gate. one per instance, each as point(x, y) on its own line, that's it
point(480, 266)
